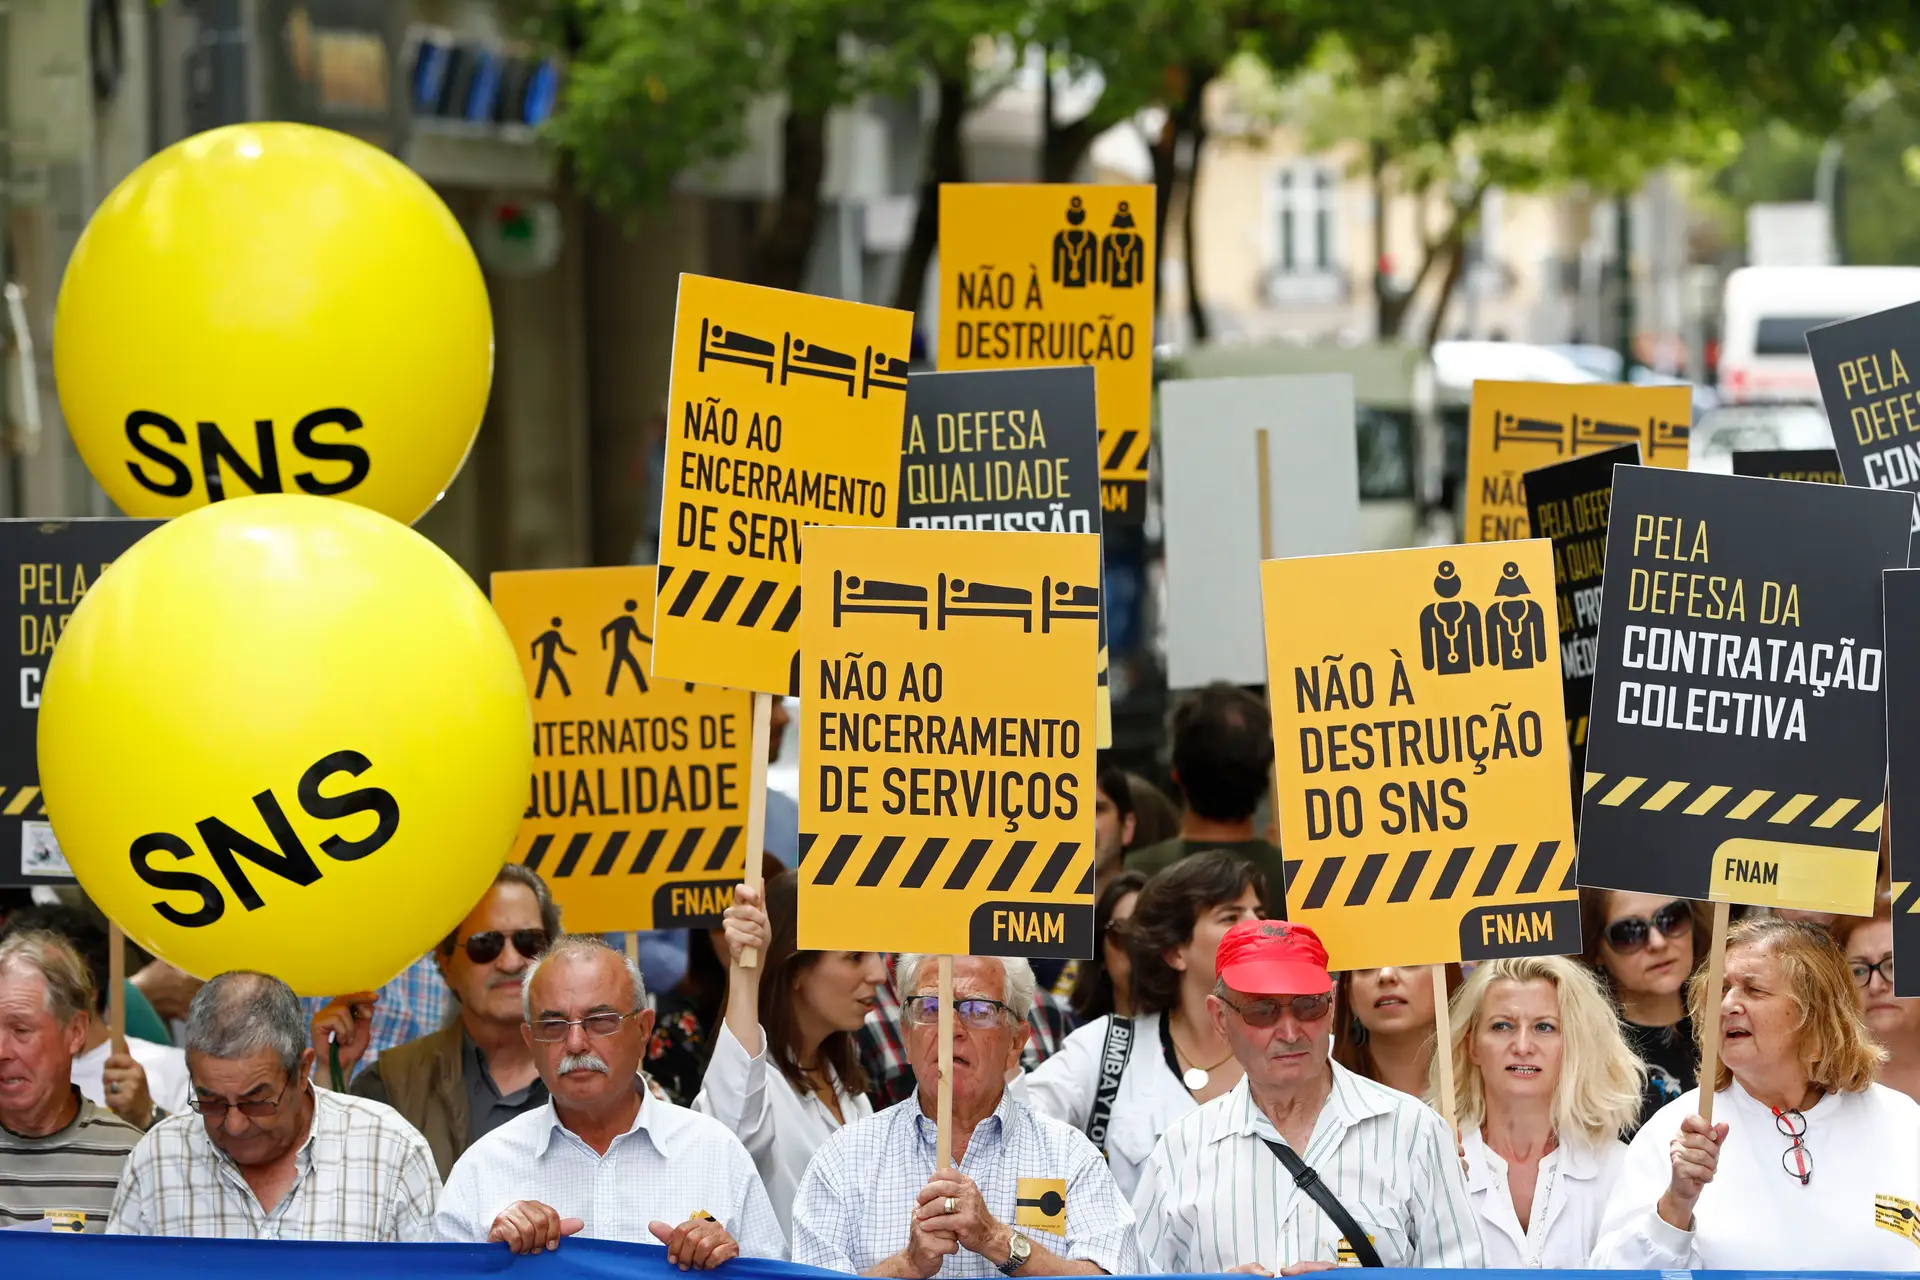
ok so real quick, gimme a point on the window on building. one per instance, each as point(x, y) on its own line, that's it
point(1304, 199)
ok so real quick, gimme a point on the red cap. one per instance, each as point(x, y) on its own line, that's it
point(1273, 958)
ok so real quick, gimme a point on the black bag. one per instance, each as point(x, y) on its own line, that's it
point(1308, 1181)
point(1113, 1065)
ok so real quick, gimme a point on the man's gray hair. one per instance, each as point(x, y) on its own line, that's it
point(241, 1012)
point(581, 944)
point(1016, 992)
point(68, 981)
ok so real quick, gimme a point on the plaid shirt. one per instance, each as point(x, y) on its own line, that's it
point(415, 1004)
point(363, 1174)
point(883, 1053)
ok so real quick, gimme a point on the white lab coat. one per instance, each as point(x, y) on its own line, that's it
point(1569, 1197)
point(1151, 1097)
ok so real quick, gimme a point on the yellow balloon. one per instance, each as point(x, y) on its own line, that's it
point(273, 308)
point(285, 734)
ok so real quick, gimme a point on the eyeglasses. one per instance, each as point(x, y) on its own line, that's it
point(1628, 935)
point(597, 1025)
point(976, 1013)
point(485, 948)
point(216, 1109)
point(1796, 1159)
point(1264, 1013)
point(1863, 972)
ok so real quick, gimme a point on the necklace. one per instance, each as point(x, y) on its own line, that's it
point(1195, 1077)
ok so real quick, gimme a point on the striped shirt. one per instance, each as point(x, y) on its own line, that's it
point(1213, 1196)
point(856, 1202)
point(72, 1171)
point(363, 1174)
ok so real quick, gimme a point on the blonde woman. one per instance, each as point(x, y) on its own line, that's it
point(1543, 1084)
point(1808, 1164)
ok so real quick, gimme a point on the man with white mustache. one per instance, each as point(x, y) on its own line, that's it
point(603, 1157)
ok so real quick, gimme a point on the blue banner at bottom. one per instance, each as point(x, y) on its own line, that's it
point(29, 1254)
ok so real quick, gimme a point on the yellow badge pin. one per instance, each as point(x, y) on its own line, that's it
point(1041, 1203)
point(1900, 1216)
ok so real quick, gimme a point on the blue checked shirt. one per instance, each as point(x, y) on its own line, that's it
point(858, 1196)
point(415, 1004)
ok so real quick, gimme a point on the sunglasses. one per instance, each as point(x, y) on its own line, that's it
point(597, 1025)
point(1265, 1013)
point(1628, 935)
point(978, 1014)
point(485, 948)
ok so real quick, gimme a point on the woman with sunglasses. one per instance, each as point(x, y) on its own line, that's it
point(1542, 1085)
point(1644, 947)
point(1387, 1023)
point(472, 1076)
point(1808, 1164)
point(787, 1080)
point(1175, 1056)
point(1895, 1023)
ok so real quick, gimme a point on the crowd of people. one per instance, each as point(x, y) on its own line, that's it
point(1205, 1094)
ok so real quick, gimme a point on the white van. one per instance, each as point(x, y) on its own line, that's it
point(1767, 311)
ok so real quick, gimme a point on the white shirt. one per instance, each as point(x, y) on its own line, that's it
point(1569, 1196)
point(857, 1200)
point(1150, 1098)
point(363, 1174)
point(669, 1165)
point(1755, 1215)
point(167, 1081)
point(1213, 1195)
point(781, 1126)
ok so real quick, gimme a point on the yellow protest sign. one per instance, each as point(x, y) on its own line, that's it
point(947, 745)
point(1421, 753)
point(638, 798)
point(1058, 274)
point(1516, 427)
point(784, 411)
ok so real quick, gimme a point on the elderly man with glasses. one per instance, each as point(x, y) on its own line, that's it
point(603, 1157)
point(1029, 1195)
point(270, 1156)
point(1233, 1185)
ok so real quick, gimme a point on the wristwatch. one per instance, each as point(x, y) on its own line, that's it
point(1019, 1249)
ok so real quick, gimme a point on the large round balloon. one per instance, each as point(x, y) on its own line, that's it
point(273, 308)
point(285, 734)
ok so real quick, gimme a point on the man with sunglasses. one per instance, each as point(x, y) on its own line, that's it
point(1232, 1186)
point(468, 1078)
point(1028, 1196)
point(265, 1154)
point(603, 1157)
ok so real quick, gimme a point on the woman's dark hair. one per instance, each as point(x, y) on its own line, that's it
point(780, 966)
point(1593, 928)
point(1350, 1047)
point(1112, 781)
point(1169, 907)
point(1093, 988)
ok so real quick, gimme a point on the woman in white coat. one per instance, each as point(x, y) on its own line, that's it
point(788, 1079)
point(1808, 1164)
point(1543, 1084)
point(1168, 1058)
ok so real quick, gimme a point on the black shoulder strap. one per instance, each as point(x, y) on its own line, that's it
point(1308, 1181)
point(1113, 1065)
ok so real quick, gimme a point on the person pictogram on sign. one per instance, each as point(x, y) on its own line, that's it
point(1450, 641)
point(1516, 629)
point(545, 646)
point(1123, 252)
point(624, 631)
point(1076, 250)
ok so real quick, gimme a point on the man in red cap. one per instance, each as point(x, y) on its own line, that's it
point(1304, 1165)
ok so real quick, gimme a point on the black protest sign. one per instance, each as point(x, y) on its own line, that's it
point(1816, 466)
point(1016, 450)
point(1866, 369)
point(1902, 588)
point(1737, 750)
point(49, 567)
point(1567, 502)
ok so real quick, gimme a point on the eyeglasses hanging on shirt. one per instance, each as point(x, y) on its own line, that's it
point(1796, 1159)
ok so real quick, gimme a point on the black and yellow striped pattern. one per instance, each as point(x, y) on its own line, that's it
point(1794, 809)
point(631, 853)
point(1021, 867)
point(1498, 872)
point(22, 802)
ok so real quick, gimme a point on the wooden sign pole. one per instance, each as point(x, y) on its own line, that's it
point(117, 987)
point(943, 1109)
point(756, 833)
point(1710, 1012)
point(1443, 1045)
point(1263, 479)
